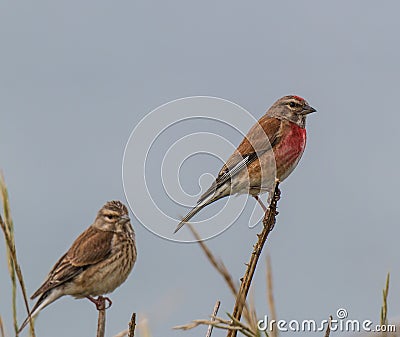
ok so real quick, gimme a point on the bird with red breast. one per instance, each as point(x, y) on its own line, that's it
point(270, 151)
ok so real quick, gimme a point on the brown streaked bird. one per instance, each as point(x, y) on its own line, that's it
point(99, 260)
point(271, 150)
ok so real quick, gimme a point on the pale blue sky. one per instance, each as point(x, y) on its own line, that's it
point(76, 77)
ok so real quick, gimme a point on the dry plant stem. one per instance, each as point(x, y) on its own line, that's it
point(219, 266)
point(268, 222)
point(215, 312)
point(217, 320)
point(130, 332)
point(242, 325)
point(384, 320)
point(11, 267)
point(8, 231)
point(385, 292)
point(328, 328)
point(219, 323)
point(132, 326)
point(270, 294)
point(101, 321)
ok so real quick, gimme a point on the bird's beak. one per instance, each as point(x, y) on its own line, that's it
point(307, 110)
point(124, 219)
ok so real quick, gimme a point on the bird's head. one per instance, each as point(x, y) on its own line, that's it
point(292, 108)
point(113, 216)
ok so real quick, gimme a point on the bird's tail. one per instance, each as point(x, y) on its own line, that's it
point(43, 301)
point(203, 203)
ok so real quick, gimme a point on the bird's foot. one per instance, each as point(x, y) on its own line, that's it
point(274, 195)
point(100, 302)
point(273, 198)
point(260, 202)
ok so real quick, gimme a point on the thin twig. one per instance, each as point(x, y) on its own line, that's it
point(219, 323)
point(270, 294)
point(8, 231)
point(215, 312)
point(216, 322)
point(132, 326)
point(220, 267)
point(245, 327)
point(130, 332)
point(268, 222)
point(101, 321)
point(328, 328)
point(385, 293)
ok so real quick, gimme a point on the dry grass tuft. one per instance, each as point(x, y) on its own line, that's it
point(14, 269)
point(385, 292)
point(220, 323)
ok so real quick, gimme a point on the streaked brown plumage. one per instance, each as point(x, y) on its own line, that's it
point(99, 260)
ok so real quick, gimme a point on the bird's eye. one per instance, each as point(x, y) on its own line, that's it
point(292, 104)
point(110, 216)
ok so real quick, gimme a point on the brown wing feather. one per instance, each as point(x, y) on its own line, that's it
point(254, 143)
point(91, 247)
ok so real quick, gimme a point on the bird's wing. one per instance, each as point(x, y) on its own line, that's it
point(260, 139)
point(91, 247)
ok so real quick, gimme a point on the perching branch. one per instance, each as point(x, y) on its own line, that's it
point(268, 222)
point(101, 321)
point(234, 324)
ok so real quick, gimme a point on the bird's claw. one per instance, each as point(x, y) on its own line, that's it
point(108, 301)
point(100, 302)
